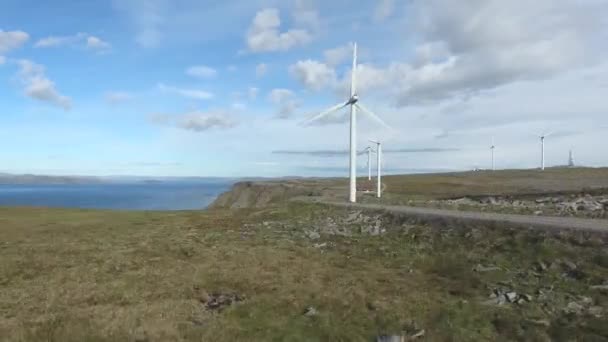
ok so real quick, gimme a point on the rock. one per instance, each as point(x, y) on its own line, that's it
point(541, 322)
point(313, 235)
point(538, 212)
point(527, 297)
point(320, 245)
point(419, 334)
point(481, 269)
point(544, 200)
point(511, 296)
point(574, 308)
point(596, 311)
point(219, 301)
point(311, 311)
point(600, 287)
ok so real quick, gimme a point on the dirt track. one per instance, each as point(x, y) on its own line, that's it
point(519, 220)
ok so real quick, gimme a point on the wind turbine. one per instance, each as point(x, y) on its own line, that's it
point(493, 147)
point(571, 159)
point(354, 104)
point(369, 162)
point(379, 162)
point(542, 149)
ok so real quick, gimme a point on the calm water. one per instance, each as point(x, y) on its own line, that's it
point(135, 196)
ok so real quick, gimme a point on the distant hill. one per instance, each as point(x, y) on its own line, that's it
point(6, 178)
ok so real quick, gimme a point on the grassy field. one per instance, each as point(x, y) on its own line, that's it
point(75, 275)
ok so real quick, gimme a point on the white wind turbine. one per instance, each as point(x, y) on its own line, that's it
point(542, 149)
point(379, 162)
point(369, 151)
point(354, 104)
point(493, 147)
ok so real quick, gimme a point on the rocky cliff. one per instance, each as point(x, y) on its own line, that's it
point(261, 194)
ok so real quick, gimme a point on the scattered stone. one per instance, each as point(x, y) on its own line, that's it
point(569, 264)
point(541, 266)
point(481, 269)
point(313, 235)
point(574, 308)
point(311, 311)
point(541, 322)
point(419, 334)
point(320, 245)
point(600, 287)
point(511, 296)
point(538, 212)
point(527, 297)
point(596, 311)
point(219, 301)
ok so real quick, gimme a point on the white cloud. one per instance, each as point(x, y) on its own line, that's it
point(312, 74)
point(11, 40)
point(261, 70)
point(80, 39)
point(232, 68)
point(338, 55)
point(56, 41)
point(384, 9)
point(253, 93)
point(38, 86)
point(197, 121)
point(2, 60)
point(96, 43)
point(185, 92)
point(201, 71)
point(239, 106)
point(286, 102)
point(117, 97)
point(264, 34)
point(201, 121)
point(305, 15)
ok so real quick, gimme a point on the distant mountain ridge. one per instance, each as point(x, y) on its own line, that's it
point(6, 178)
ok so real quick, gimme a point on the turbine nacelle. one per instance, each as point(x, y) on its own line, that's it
point(354, 99)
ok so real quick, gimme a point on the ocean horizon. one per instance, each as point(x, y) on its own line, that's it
point(139, 196)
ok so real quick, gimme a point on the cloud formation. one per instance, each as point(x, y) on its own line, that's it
point(88, 41)
point(196, 121)
point(185, 92)
point(474, 47)
point(38, 86)
point(313, 74)
point(264, 34)
point(201, 71)
point(11, 40)
point(286, 102)
point(335, 153)
point(148, 17)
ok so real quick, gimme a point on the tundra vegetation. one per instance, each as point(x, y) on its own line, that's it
point(296, 271)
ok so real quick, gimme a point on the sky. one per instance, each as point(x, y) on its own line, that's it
point(221, 87)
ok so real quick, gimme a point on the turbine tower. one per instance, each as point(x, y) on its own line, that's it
point(369, 162)
point(542, 149)
point(355, 105)
point(493, 147)
point(379, 162)
point(571, 159)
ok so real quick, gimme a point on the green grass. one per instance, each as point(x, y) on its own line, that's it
point(76, 275)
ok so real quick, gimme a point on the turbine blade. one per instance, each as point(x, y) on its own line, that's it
point(373, 116)
point(324, 113)
point(353, 84)
point(549, 134)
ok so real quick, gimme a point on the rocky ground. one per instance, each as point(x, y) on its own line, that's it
point(572, 205)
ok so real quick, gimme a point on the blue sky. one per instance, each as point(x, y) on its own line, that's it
point(213, 88)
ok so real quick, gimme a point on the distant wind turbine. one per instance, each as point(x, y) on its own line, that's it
point(493, 147)
point(542, 149)
point(354, 104)
point(369, 162)
point(379, 162)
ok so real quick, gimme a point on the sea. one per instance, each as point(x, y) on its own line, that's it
point(166, 195)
